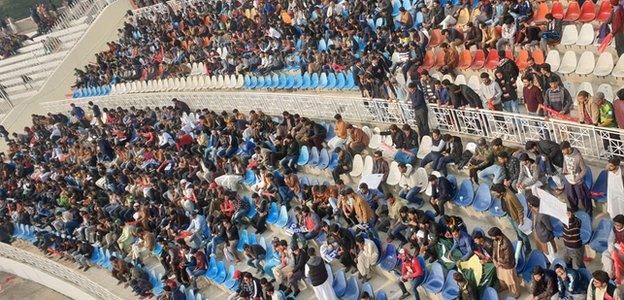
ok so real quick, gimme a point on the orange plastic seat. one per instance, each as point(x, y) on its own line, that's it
point(436, 38)
point(465, 60)
point(588, 12)
point(491, 62)
point(439, 59)
point(573, 12)
point(538, 56)
point(541, 12)
point(428, 60)
point(479, 60)
point(557, 10)
point(605, 11)
point(522, 60)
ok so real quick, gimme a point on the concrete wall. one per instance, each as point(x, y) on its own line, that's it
point(102, 30)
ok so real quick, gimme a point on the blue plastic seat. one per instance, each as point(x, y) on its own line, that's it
point(599, 189)
point(396, 5)
point(489, 294)
point(389, 259)
point(253, 82)
point(96, 255)
point(483, 198)
point(242, 240)
point(341, 81)
point(322, 81)
point(557, 227)
point(333, 161)
point(281, 81)
point(322, 45)
point(435, 281)
point(352, 291)
point(213, 269)
point(247, 80)
point(260, 84)
point(290, 82)
point(323, 159)
point(250, 177)
point(496, 209)
point(525, 206)
point(275, 81)
point(157, 249)
point(381, 295)
point(371, 24)
point(586, 226)
point(331, 81)
point(304, 156)
point(340, 283)
point(536, 258)
point(407, 4)
point(306, 81)
point(368, 288)
point(268, 81)
point(601, 235)
point(314, 81)
point(314, 157)
point(557, 261)
point(450, 289)
point(465, 194)
point(304, 180)
point(331, 132)
point(230, 281)
point(221, 273)
point(252, 239)
point(380, 22)
point(297, 81)
point(350, 81)
point(106, 263)
point(252, 207)
point(585, 274)
point(282, 221)
point(589, 179)
point(273, 215)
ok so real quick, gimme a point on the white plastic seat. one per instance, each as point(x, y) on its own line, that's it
point(425, 146)
point(213, 82)
point(160, 85)
point(568, 63)
point(607, 90)
point(220, 82)
point(201, 82)
point(171, 84)
point(568, 85)
point(460, 79)
point(134, 87)
point(240, 82)
point(149, 86)
point(394, 174)
point(226, 82)
point(553, 59)
point(201, 68)
point(474, 83)
point(588, 62)
point(586, 36)
point(195, 81)
point(232, 81)
point(604, 64)
point(368, 166)
point(585, 86)
point(368, 131)
point(472, 147)
point(447, 77)
point(421, 178)
point(569, 35)
point(114, 90)
point(618, 70)
point(358, 165)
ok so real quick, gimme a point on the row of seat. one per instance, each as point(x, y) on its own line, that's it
point(586, 64)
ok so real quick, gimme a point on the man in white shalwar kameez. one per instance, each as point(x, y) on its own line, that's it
point(615, 188)
point(316, 270)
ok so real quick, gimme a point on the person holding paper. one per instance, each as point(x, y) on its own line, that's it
point(574, 169)
point(615, 187)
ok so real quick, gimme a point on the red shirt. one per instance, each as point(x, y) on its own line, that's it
point(414, 267)
point(532, 97)
point(618, 111)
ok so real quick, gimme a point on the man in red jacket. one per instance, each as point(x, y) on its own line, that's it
point(411, 270)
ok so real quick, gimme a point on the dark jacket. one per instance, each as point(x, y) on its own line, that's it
point(503, 253)
point(574, 283)
point(543, 228)
point(444, 190)
point(546, 287)
point(551, 150)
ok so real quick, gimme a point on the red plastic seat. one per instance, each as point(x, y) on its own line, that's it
point(465, 60)
point(522, 60)
point(492, 60)
point(573, 12)
point(557, 10)
point(588, 12)
point(605, 11)
point(439, 59)
point(428, 60)
point(509, 54)
point(436, 38)
point(479, 60)
point(541, 12)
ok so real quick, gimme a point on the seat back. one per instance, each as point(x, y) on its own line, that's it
point(483, 198)
point(538, 56)
point(588, 12)
point(604, 11)
point(479, 60)
point(522, 60)
point(540, 13)
point(557, 10)
point(586, 36)
point(465, 59)
point(604, 65)
point(589, 62)
point(570, 35)
point(568, 63)
point(573, 12)
point(553, 59)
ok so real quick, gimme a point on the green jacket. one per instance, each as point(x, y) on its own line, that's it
point(605, 115)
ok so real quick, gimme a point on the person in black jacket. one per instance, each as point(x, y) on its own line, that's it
point(452, 153)
point(467, 288)
point(289, 162)
point(345, 163)
point(462, 95)
point(83, 254)
point(346, 241)
point(549, 157)
point(544, 283)
point(442, 190)
point(301, 258)
point(181, 106)
point(255, 254)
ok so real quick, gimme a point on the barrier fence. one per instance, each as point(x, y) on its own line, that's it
point(52, 268)
point(591, 141)
point(85, 8)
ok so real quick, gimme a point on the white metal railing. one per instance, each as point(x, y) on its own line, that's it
point(54, 269)
point(89, 9)
point(595, 142)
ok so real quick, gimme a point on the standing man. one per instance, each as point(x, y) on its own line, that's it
point(490, 93)
point(504, 261)
point(615, 187)
point(515, 212)
point(320, 275)
point(574, 169)
point(421, 112)
point(96, 112)
point(573, 254)
point(367, 257)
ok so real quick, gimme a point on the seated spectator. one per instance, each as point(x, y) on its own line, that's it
point(601, 288)
point(359, 140)
point(442, 190)
point(462, 242)
point(340, 129)
point(542, 227)
point(255, 254)
point(411, 271)
point(529, 175)
point(570, 283)
point(544, 283)
point(437, 147)
point(467, 288)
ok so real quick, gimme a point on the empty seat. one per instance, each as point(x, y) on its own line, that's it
point(479, 60)
point(428, 60)
point(465, 60)
point(570, 35)
point(541, 12)
point(605, 11)
point(465, 193)
point(586, 226)
point(436, 38)
point(483, 198)
point(492, 60)
point(601, 235)
point(538, 56)
point(557, 10)
point(394, 175)
point(604, 65)
point(522, 60)
point(573, 12)
point(367, 169)
point(570, 87)
point(618, 70)
point(358, 165)
point(474, 83)
point(460, 79)
point(588, 63)
point(435, 280)
point(586, 35)
point(599, 189)
point(568, 63)
point(588, 12)
point(425, 147)
point(553, 59)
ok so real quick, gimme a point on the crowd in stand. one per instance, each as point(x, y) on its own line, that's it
point(130, 180)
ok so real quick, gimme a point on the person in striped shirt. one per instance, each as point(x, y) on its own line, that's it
point(573, 254)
